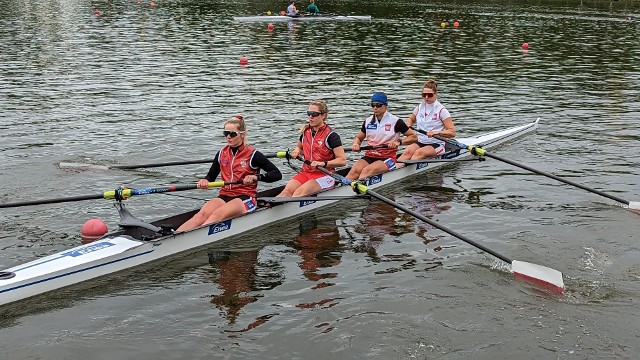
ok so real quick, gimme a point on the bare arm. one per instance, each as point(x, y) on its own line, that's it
point(449, 129)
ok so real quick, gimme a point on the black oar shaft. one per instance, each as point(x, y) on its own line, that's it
point(438, 226)
point(481, 152)
point(540, 172)
point(346, 181)
point(53, 201)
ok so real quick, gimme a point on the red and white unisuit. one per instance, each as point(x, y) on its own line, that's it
point(316, 147)
point(380, 133)
point(237, 167)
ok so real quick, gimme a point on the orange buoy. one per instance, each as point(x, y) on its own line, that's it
point(282, 12)
point(456, 23)
point(152, 4)
point(243, 61)
point(93, 229)
point(525, 46)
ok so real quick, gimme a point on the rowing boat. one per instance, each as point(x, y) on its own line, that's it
point(303, 18)
point(138, 242)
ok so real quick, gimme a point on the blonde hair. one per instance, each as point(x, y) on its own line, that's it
point(238, 121)
point(324, 109)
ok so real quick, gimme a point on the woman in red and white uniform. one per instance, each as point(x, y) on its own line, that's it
point(235, 161)
point(322, 147)
point(432, 117)
point(381, 128)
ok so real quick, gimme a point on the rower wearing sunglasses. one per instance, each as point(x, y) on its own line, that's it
point(322, 147)
point(381, 128)
point(434, 119)
point(235, 161)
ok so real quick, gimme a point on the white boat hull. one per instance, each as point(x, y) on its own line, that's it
point(112, 254)
point(271, 18)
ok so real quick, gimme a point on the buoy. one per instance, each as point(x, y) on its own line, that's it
point(97, 13)
point(243, 61)
point(525, 46)
point(456, 23)
point(270, 27)
point(92, 230)
point(269, 12)
point(443, 24)
point(152, 4)
point(282, 12)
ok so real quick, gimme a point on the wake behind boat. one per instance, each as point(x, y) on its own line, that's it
point(303, 18)
point(138, 242)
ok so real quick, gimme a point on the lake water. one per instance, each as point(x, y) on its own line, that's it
point(138, 83)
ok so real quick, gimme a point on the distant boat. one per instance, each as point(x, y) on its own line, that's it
point(303, 18)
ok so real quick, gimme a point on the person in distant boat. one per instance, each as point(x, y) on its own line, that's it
point(291, 9)
point(434, 119)
point(312, 8)
point(381, 128)
point(235, 161)
point(322, 147)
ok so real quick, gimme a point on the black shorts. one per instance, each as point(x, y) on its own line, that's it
point(229, 198)
point(435, 146)
point(371, 160)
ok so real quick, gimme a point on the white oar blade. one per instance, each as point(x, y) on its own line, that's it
point(634, 205)
point(70, 165)
point(539, 275)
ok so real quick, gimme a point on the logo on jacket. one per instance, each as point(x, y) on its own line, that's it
point(243, 163)
point(372, 126)
point(387, 127)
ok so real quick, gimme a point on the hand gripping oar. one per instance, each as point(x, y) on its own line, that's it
point(85, 166)
point(119, 194)
point(634, 205)
point(537, 274)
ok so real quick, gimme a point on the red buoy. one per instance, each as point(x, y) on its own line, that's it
point(92, 230)
point(525, 46)
point(270, 27)
point(243, 61)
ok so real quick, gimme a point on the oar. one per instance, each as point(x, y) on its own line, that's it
point(85, 166)
point(537, 274)
point(120, 194)
point(279, 200)
point(634, 205)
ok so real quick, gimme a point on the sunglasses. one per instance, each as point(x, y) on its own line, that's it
point(428, 95)
point(313, 113)
point(231, 134)
point(377, 105)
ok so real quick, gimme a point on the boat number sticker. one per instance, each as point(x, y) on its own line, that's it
point(219, 227)
point(421, 165)
point(88, 249)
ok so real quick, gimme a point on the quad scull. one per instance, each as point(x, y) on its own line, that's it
point(138, 242)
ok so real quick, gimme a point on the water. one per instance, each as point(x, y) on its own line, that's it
point(143, 83)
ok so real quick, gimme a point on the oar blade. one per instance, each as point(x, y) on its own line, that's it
point(634, 205)
point(538, 275)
